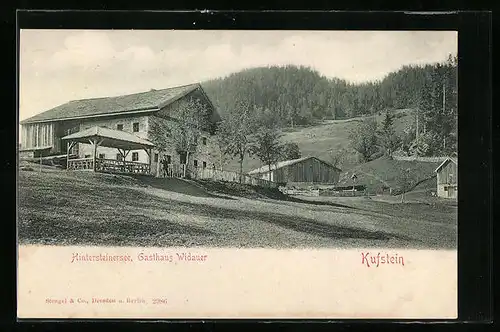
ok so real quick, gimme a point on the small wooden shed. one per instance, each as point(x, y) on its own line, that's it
point(310, 170)
point(447, 178)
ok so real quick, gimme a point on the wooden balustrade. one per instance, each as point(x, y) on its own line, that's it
point(109, 165)
point(81, 164)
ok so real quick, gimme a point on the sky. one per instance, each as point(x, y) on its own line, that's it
point(57, 66)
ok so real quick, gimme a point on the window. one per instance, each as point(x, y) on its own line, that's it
point(156, 157)
point(169, 160)
point(182, 158)
point(87, 156)
point(135, 127)
point(135, 156)
point(102, 156)
point(204, 140)
point(196, 163)
point(119, 157)
point(119, 126)
point(204, 164)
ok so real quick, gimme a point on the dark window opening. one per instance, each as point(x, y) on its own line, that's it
point(102, 156)
point(204, 164)
point(135, 156)
point(182, 158)
point(135, 127)
point(204, 141)
point(119, 127)
point(87, 156)
point(169, 160)
point(196, 163)
point(156, 157)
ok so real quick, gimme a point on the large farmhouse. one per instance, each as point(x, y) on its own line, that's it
point(306, 170)
point(101, 132)
point(447, 178)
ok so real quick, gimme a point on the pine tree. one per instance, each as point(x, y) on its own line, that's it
point(390, 141)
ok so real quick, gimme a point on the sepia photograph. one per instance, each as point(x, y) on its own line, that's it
point(271, 152)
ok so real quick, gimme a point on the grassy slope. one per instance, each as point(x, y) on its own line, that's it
point(83, 208)
point(384, 171)
point(323, 139)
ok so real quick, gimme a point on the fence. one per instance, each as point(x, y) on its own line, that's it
point(323, 192)
point(229, 176)
point(174, 170)
point(423, 159)
point(302, 192)
point(344, 193)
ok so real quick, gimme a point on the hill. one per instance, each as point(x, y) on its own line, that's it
point(299, 95)
point(326, 138)
point(383, 173)
point(318, 113)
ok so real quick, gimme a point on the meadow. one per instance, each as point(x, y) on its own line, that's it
point(58, 207)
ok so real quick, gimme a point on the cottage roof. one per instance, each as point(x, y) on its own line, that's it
point(445, 162)
point(281, 164)
point(150, 101)
point(110, 138)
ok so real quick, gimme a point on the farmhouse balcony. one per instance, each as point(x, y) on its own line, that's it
point(105, 137)
point(109, 165)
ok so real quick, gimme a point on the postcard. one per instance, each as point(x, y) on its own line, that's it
point(207, 174)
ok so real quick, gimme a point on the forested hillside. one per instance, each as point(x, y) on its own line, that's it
point(261, 107)
point(300, 95)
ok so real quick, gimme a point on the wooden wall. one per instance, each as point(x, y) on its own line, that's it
point(37, 135)
point(448, 174)
point(309, 171)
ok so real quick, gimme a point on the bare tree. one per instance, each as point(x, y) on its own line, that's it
point(235, 132)
point(405, 182)
point(290, 151)
point(364, 138)
point(338, 157)
point(183, 131)
point(266, 146)
point(159, 132)
point(224, 136)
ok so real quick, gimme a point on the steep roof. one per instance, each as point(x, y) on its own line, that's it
point(284, 163)
point(446, 161)
point(144, 101)
point(111, 138)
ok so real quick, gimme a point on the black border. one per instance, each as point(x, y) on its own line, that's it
point(475, 135)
